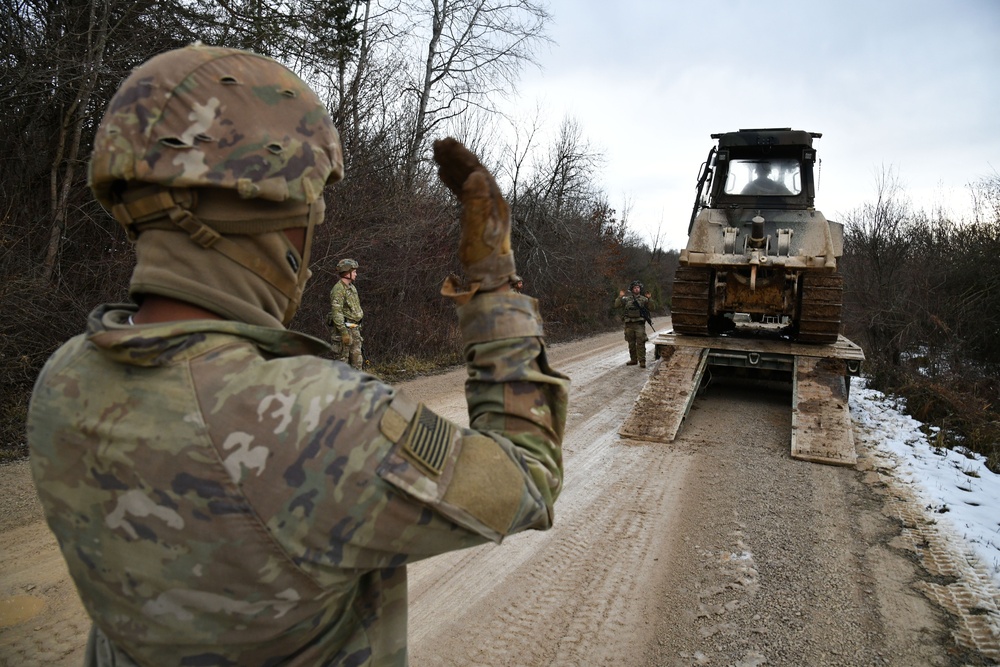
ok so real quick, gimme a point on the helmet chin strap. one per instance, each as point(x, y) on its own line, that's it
point(207, 237)
point(303, 274)
point(177, 207)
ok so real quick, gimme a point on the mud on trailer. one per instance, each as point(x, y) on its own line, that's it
point(819, 376)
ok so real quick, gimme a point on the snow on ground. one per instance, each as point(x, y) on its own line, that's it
point(955, 485)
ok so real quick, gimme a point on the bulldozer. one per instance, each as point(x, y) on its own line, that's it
point(757, 297)
point(758, 251)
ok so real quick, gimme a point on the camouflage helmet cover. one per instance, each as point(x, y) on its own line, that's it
point(345, 265)
point(204, 116)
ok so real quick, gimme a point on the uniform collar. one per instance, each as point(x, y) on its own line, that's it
point(159, 344)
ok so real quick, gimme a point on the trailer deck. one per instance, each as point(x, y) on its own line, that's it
point(819, 376)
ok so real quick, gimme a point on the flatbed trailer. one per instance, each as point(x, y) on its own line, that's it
point(819, 377)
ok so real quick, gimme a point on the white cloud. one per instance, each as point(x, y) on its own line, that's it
point(905, 84)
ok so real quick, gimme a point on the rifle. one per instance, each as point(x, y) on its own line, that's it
point(644, 312)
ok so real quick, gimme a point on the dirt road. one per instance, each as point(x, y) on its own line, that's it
point(718, 549)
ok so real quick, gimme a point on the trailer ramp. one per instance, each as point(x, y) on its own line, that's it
point(821, 421)
point(667, 395)
point(819, 376)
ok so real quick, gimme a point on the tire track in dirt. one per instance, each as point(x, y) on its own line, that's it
point(716, 549)
point(569, 596)
point(783, 563)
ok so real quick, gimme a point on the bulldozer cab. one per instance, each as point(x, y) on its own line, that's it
point(758, 169)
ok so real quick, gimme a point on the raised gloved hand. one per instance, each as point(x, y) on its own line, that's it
point(484, 245)
point(345, 339)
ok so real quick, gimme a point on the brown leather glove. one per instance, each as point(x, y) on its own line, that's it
point(345, 339)
point(484, 245)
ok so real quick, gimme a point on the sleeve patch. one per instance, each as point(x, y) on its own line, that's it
point(487, 483)
point(393, 425)
point(430, 440)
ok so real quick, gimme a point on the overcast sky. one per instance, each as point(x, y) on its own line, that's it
point(911, 85)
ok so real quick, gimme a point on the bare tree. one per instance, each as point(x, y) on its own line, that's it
point(878, 245)
point(81, 78)
point(566, 176)
point(986, 199)
point(474, 51)
point(514, 157)
point(62, 60)
point(363, 87)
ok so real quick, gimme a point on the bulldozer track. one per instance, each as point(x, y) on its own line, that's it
point(820, 308)
point(689, 307)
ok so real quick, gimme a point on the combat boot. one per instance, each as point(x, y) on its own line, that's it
point(633, 362)
point(642, 364)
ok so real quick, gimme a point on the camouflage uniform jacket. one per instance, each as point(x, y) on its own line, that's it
point(345, 304)
point(223, 497)
point(632, 303)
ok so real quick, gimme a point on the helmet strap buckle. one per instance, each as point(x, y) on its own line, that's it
point(199, 232)
point(149, 203)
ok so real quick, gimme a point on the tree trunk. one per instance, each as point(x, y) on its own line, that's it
point(420, 118)
point(70, 133)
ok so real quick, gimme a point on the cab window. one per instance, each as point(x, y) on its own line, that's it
point(767, 177)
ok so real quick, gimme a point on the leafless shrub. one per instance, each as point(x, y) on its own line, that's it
point(923, 299)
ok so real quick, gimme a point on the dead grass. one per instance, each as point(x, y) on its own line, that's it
point(964, 410)
point(13, 415)
point(409, 367)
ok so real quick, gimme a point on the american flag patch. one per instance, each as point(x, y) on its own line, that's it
point(430, 440)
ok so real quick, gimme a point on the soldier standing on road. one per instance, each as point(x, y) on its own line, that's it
point(222, 494)
point(346, 314)
point(632, 304)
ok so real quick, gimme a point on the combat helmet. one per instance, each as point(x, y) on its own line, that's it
point(215, 117)
point(634, 283)
point(346, 265)
point(215, 142)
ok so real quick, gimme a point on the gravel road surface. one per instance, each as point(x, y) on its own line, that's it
point(717, 549)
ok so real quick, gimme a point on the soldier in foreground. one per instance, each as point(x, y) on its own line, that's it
point(346, 315)
point(635, 313)
point(221, 493)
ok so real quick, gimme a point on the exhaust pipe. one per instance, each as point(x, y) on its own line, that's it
point(757, 232)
